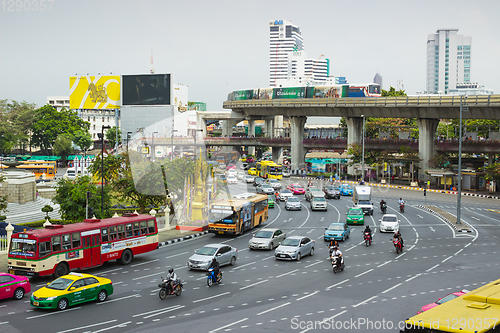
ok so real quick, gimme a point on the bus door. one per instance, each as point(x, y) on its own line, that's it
point(91, 248)
point(246, 212)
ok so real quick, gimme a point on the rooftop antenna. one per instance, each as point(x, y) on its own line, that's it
point(152, 67)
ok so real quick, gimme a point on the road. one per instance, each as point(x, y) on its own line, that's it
point(259, 294)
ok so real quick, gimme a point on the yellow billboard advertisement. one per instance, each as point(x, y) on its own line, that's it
point(94, 92)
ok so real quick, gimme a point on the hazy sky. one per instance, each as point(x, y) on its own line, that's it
point(215, 47)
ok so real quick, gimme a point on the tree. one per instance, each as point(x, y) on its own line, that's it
point(71, 195)
point(16, 120)
point(111, 136)
point(492, 172)
point(50, 123)
point(83, 139)
point(47, 209)
point(3, 199)
point(62, 147)
point(392, 92)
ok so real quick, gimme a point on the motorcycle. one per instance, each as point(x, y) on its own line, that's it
point(337, 268)
point(383, 208)
point(398, 246)
point(367, 238)
point(165, 291)
point(402, 207)
point(211, 278)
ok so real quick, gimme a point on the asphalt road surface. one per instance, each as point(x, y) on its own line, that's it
point(376, 292)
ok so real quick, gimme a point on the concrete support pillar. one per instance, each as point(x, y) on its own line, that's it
point(277, 152)
point(270, 128)
point(491, 159)
point(227, 126)
point(297, 138)
point(426, 146)
point(251, 132)
point(354, 135)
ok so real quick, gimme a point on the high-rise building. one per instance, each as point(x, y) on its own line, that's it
point(448, 60)
point(378, 79)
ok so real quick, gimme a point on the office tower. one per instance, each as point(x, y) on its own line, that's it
point(448, 60)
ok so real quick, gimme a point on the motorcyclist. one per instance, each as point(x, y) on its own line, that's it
point(215, 265)
point(336, 252)
point(333, 243)
point(368, 230)
point(277, 196)
point(401, 201)
point(170, 280)
point(397, 235)
point(309, 183)
point(382, 202)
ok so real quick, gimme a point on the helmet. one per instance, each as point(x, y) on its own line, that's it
point(171, 270)
point(335, 247)
point(400, 198)
point(395, 233)
point(213, 259)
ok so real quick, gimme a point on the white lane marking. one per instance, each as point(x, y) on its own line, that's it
point(385, 263)
point(393, 287)
point(118, 299)
point(175, 255)
point(365, 301)
point(153, 311)
point(475, 218)
point(5, 322)
point(287, 273)
point(165, 311)
point(336, 284)
point(308, 214)
point(143, 263)
point(420, 216)
point(317, 262)
point(52, 313)
point(338, 212)
point(415, 276)
point(112, 327)
point(444, 260)
point(308, 295)
point(206, 298)
point(326, 320)
point(251, 285)
point(92, 325)
point(145, 276)
point(368, 271)
point(105, 272)
point(276, 307)
point(277, 216)
point(242, 266)
point(268, 258)
point(236, 322)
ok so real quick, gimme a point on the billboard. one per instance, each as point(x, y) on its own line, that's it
point(147, 89)
point(291, 92)
point(94, 92)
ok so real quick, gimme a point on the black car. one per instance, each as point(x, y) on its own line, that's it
point(331, 192)
point(258, 181)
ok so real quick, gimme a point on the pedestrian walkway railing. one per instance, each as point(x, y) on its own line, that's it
point(3, 244)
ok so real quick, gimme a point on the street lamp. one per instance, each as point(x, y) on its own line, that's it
point(172, 144)
point(101, 136)
point(153, 145)
point(363, 153)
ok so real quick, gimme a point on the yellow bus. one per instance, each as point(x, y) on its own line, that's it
point(271, 171)
point(41, 171)
point(40, 162)
point(477, 311)
point(235, 216)
point(260, 165)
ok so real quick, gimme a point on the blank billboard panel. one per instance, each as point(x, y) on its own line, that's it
point(147, 89)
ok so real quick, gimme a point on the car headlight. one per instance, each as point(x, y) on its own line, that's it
point(51, 298)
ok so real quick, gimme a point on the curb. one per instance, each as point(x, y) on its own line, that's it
point(182, 239)
point(453, 225)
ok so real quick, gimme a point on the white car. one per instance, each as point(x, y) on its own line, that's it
point(248, 179)
point(285, 194)
point(241, 175)
point(285, 173)
point(389, 223)
point(231, 179)
point(231, 172)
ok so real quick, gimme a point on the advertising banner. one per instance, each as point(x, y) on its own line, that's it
point(242, 95)
point(94, 92)
point(291, 92)
point(146, 89)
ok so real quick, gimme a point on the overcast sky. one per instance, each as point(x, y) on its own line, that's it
point(215, 47)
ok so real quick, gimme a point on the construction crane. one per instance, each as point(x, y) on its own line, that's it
point(308, 78)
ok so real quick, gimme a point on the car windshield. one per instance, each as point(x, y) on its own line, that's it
point(355, 212)
point(293, 199)
point(319, 199)
point(390, 219)
point(364, 202)
point(264, 234)
point(330, 188)
point(297, 186)
point(60, 284)
point(206, 251)
point(266, 186)
point(347, 187)
point(314, 189)
point(446, 299)
point(291, 242)
point(336, 227)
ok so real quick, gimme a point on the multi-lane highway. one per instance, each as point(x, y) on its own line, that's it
point(377, 290)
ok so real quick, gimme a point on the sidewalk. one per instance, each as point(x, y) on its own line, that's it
point(165, 237)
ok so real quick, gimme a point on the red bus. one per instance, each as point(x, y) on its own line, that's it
point(57, 249)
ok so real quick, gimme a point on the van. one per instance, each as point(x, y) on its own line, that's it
point(318, 201)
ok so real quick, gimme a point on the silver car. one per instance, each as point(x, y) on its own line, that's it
point(274, 184)
point(313, 191)
point(285, 194)
point(293, 203)
point(294, 248)
point(285, 173)
point(248, 179)
point(201, 259)
point(265, 188)
point(267, 238)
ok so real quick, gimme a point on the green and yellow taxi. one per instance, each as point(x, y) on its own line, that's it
point(270, 201)
point(72, 289)
point(355, 216)
point(253, 171)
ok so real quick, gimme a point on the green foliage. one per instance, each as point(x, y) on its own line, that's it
point(16, 120)
point(50, 123)
point(392, 92)
point(39, 223)
point(110, 135)
point(47, 209)
point(3, 200)
point(71, 195)
point(492, 172)
point(62, 146)
point(83, 139)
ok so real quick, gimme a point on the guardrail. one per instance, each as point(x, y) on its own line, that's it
point(479, 100)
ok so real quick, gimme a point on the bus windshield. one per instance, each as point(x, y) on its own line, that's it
point(222, 214)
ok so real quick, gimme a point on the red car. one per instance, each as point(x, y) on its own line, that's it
point(13, 286)
point(296, 189)
point(443, 300)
